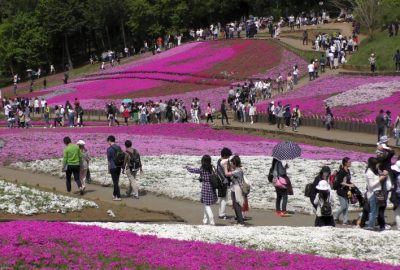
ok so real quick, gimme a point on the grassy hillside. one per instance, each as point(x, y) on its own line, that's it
point(384, 48)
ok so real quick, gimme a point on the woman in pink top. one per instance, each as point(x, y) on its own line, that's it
point(209, 113)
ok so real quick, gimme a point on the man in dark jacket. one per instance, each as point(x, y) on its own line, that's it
point(114, 169)
point(380, 124)
point(223, 112)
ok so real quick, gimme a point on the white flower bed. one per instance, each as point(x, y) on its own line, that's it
point(364, 94)
point(328, 242)
point(22, 200)
point(166, 175)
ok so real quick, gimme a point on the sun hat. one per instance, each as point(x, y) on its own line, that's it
point(323, 185)
point(383, 140)
point(80, 142)
point(396, 166)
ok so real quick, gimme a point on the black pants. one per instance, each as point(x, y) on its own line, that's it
point(381, 217)
point(224, 115)
point(281, 196)
point(115, 173)
point(380, 132)
point(397, 66)
point(373, 67)
point(237, 208)
point(324, 221)
point(280, 123)
point(209, 117)
point(73, 169)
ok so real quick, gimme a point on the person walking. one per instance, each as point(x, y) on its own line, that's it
point(237, 176)
point(115, 158)
point(46, 115)
point(342, 185)
point(380, 124)
point(132, 165)
point(305, 37)
point(374, 182)
point(283, 187)
point(279, 111)
point(395, 198)
point(208, 195)
point(396, 59)
point(71, 164)
point(372, 62)
point(324, 202)
point(223, 191)
point(209, 113)
point(252, 112)
point(84, 164)
point(223, 112)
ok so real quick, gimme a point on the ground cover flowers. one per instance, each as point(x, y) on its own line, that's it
point(327, 242)
point(56, 245)
point(23, 200)
point(155, 139)
point(350, 97)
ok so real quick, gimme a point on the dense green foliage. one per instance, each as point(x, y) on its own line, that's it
point(37, 33)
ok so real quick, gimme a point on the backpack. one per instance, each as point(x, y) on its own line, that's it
point(134, 161)
point(215, 181)
point(326, 208)
point(308, 190)
point(332, 181)
point(119, 156)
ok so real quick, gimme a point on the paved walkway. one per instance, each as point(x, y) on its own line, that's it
point(338, 136)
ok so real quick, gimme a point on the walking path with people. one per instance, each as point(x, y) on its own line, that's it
point(317, 133)
point(185, 209)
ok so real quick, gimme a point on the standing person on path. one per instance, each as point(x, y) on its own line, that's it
point(374, 181)
point(208, 195)
point(237, 176)
point(252, 112)
point(397, 130)
point(223, 191)
point(132, 165)
point(380, 124)
point(322, 62)
point(279, 111)
point(311, 71)
point(209, 113)
point(324, 202)
point(283, 187)
point(71, 163)
point(388, 123)
point(115, 158)
point(305, 37)
point(223, 112)
point(46, 115)
point(342, 185)
point(84, 164)
point(396, 59)
point(372, 62)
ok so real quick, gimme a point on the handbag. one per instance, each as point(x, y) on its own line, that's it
point(280, 182)
point(353, 199)
point(245, 186)
point(380, 198)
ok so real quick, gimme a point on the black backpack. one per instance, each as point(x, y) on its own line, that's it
point(308, 190)
point(326, 208)
point(119, 156)
point(134, 161)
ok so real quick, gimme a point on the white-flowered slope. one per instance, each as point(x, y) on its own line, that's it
point(327, 241)
point(166, 175)
point(22, 200)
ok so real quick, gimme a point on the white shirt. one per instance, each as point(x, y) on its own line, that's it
point(43, 102)
point(311, 68)
point(36, 103)
point(373, 183)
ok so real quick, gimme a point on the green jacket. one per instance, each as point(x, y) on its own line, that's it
point(72, 155)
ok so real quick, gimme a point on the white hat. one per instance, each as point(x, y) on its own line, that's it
point(323, 185)
point(272, 102)
point(383, 140)
point(80, 142)
point(396, 166)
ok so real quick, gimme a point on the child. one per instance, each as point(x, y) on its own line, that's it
point(324, 202)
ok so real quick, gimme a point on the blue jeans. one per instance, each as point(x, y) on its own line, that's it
point(373, 211)
point(71, 119)
point(344, 207)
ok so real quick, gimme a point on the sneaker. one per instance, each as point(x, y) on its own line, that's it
point(117, 199)
point(388, 227)
point(284, 214)
point(223, 217)
point(278, 213)
point(81, 191)
point(136, 196)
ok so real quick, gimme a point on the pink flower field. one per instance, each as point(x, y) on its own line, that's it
point(199, 66)
point(162, 139)
point(312, 96)
point(54, 245)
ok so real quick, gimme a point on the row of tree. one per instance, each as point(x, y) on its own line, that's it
point(37, 33)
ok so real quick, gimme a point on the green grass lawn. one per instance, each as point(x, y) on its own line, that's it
point(384, 48)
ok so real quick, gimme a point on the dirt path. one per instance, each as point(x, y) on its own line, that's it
point(190, 211)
